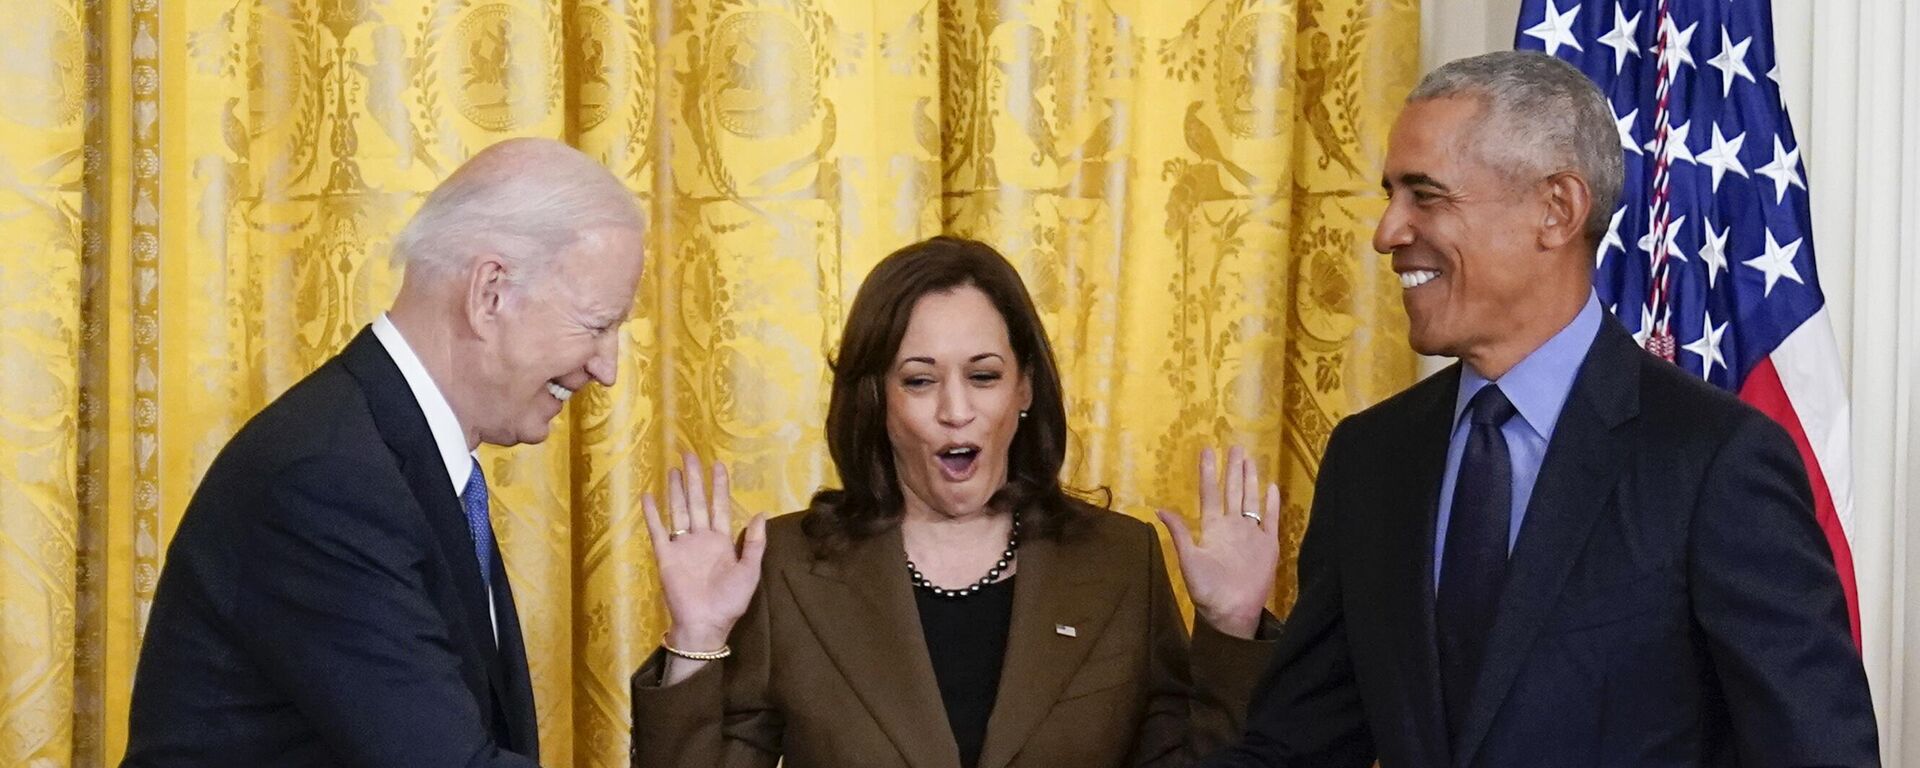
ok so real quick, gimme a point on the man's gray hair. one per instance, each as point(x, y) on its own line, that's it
point(1540, 116)
point(527, 200)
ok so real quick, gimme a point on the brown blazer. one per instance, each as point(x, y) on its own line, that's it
point(830, 669)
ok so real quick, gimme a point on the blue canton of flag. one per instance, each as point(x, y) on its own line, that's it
point(1740, 273)
point(1709, 256)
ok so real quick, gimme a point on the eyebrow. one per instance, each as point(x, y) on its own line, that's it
point(930, 361)
point(1415, 179)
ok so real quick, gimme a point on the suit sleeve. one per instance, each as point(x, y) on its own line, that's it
point(721, 716)
point(1306, 708)
point(1196, 695)
point(342, 621)
point(1768, 599)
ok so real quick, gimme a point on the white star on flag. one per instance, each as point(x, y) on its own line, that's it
point(1677, 149)
point(1673, 239)
point(1731, 61)
point(1557, 29)
point(1679, 45)
point(1713, 251)
point(1621, 38)
point(1646, 326)
point(1784, 170)
point(1612, 240)
point(1708, 346)
point(1776, 263)
point(1625, 124)
point(1723, 156)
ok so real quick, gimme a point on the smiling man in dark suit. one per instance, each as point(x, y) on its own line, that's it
point(1561, 551)
point(333, 595)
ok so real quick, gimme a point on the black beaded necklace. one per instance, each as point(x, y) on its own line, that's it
point(993, 574)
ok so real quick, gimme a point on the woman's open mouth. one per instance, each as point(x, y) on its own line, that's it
point(957, 462)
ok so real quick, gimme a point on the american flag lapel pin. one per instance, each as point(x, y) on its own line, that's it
point(1065, 630)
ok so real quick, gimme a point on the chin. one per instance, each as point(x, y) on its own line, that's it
point(1426, 341)
point(534, 436)
point(964, 507)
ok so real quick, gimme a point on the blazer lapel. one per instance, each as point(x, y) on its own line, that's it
point(1582, 461)
point(405, 430)
point(1059, 584)
point(512, 682)
point(1406, 562)
point(861, 606)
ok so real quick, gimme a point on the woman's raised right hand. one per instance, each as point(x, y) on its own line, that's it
point(707, 579)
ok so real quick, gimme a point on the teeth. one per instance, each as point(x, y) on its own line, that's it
point(1416, 278)
point(958, 452)
point(559, 393)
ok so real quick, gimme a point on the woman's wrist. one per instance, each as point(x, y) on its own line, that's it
point(1240, 623)
point(696, 639)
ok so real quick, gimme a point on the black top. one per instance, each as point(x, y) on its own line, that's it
point(967, 640)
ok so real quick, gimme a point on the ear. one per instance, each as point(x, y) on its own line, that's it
point(1564, 219)
point(485, 295)
point(1026, 392)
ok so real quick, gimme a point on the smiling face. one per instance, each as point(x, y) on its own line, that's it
point(954, 393)
point(1465, 237)
point(553, 333)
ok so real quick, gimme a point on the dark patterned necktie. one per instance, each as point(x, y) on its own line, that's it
point(1474, 562)
point(474, 499)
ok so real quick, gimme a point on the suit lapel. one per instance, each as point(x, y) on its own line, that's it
point(1407, 559)
point(860, 604)
point(1574, 485)
point(405, 430)
point(1059, 584)
point(510, 667)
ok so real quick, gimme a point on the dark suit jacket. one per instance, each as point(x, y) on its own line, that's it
point(830, 668)
point(321, 603)
point(1669, 601)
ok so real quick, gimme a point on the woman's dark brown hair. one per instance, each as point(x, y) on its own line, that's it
point(869, 500)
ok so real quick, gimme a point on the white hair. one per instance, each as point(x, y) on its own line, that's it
point(1545, 116)
point(526, 200)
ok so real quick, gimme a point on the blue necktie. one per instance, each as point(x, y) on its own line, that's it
point(1473, 565)
point(474, 499)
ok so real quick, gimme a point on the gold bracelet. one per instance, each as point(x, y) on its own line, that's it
point(724, 652)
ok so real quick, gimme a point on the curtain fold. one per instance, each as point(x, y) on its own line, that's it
point(1863, 144)
point(199, 196)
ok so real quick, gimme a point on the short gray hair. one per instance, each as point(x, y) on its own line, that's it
point(527, 200)
point(1545, 116)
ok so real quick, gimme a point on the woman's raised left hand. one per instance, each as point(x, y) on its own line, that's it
point(1231, 567)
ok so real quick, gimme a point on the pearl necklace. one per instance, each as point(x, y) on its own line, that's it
point(993, 574)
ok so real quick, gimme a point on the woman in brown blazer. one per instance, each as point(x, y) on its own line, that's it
point(951, 606)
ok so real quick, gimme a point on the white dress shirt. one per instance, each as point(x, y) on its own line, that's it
point(447, 434)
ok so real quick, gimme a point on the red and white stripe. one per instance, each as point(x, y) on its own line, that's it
point(1800, 386)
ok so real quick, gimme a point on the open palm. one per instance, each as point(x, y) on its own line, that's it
point(1229, 570)
point(708, 581)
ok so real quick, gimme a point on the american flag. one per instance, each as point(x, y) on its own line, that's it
point(1709, 258)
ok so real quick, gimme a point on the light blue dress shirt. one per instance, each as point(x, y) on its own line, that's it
point(1538, 387)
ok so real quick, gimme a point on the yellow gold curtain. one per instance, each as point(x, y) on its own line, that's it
point(197, 197)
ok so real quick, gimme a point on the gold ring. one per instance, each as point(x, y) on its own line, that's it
point(671, 535)
point(1254, 516)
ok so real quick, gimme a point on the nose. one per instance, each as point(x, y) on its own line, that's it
point(605, 363)
point(1393, 231)
point(955, 409)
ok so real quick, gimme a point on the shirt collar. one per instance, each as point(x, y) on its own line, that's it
point(1539, 384)
point(447, 434)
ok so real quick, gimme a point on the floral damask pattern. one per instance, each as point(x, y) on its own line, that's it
point(200, 195)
